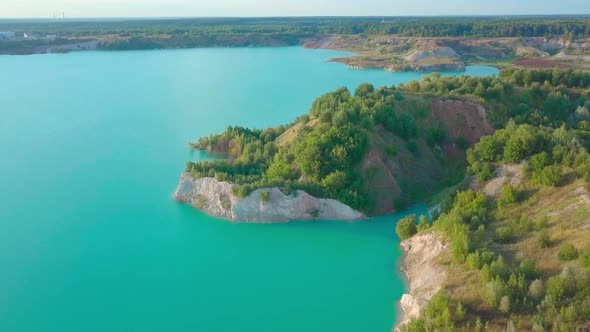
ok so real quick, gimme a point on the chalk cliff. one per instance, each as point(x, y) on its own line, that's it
point(217, 199)
point(424, 275)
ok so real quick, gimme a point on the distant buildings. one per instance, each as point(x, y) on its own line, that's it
point(7, 35)
point(34, 36)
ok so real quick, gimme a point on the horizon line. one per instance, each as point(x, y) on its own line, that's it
point(49, 17)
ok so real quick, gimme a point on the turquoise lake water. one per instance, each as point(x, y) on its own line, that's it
point(93, 145)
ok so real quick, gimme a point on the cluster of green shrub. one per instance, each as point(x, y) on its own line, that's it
point(552, 102)
point(547, 152)
point(553, 77)
point(410, 226)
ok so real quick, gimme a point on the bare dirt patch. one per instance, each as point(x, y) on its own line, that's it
point(462, 118)
point(512, 174)
point(539, 64)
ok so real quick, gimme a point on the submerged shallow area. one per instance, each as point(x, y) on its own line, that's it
point(90, 238)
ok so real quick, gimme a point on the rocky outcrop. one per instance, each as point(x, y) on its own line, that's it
point(550, 44)
point(217, 199)
point(528, 51)
point(353, 66)
point(424, 275)
point(508, 174)
point(426, 52)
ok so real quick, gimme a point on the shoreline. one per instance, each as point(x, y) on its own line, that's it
point(406, 283)
point(421, 274)
point(93, 44)
point(217, 199)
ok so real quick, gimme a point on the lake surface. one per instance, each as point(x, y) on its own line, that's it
point(93, 145)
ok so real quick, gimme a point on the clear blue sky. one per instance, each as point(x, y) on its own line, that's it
point(162, 8)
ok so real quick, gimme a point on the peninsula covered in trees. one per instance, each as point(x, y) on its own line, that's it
point(409, 140)
point(506, 157)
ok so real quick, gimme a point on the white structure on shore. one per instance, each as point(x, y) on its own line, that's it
point(7, 35)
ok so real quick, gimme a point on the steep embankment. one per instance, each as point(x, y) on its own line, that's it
point(453, 53)
point(395, 175)
point(393, 53)
point(217, 199)
point(424, 275)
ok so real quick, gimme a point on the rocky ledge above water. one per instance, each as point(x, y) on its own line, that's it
point(424, 275)
point(217, 199)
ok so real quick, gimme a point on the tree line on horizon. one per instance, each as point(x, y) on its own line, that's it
point(550, 26)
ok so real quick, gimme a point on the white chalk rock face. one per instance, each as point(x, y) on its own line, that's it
point(424, 275)
point(216, 198)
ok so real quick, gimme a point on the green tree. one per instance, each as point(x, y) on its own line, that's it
point(436, 136)
point(567, 252)
point(406, 227)
point(460, 312)
point(480, 90)
point(406, 127)
point(550, 176)
point(528, 78)
point(509, 195)
point(584, 126)
point(510, 327)
point(424, 224)
point(537, 290)
point(504, 305)
point(488, 149)
point(264, 196)
point(279, 169)
point(543, 239)
point(478, 325)
point(335, 182)
point(364, 90)
point(523, 141)
point(413, 148)
point(538, 162)
point(504, 234)
point(558, 288)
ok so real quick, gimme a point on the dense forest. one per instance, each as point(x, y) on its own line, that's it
point(577, 26)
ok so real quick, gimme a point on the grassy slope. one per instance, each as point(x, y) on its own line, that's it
point(566, 210)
